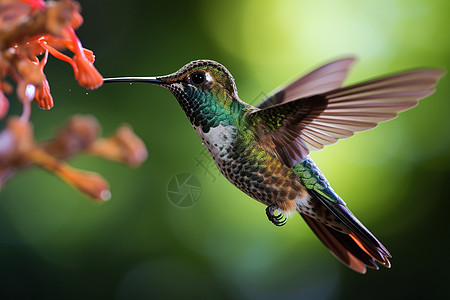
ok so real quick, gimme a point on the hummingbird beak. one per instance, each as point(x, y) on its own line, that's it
point(153, 80)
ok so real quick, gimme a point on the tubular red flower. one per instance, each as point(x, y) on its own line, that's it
point(43, 97)
point(124, 146)
point(89, 55)
point(88, 76)
point(89, 183)
point(77, 135)
point(30, 29)
point(82, 61)
point(62, 57)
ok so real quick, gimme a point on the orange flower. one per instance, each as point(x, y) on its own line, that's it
point(57, 20)
point(15, 140)
point(77, 135)
point(31, 30)
point(42, 96)
point(89, 183)
point(87, 75)
point(18, 149)
point(89, 55)
point(82, 61)
point(123, 146)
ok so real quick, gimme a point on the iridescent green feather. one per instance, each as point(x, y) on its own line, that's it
point(313, 180)
point(208, 109)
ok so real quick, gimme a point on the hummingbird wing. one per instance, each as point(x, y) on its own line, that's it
point(292, 129)
point(326, 78)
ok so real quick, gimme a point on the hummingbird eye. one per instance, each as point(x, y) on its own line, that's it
point(197, 77)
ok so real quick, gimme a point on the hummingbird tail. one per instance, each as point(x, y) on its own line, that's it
point(350, 249)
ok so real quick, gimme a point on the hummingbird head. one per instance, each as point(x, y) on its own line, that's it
point(205, 90)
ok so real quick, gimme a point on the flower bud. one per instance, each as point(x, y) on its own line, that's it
point(124, 146)
point(87, 76)
point(42, 95)
point(89, 183)
point(77, 135)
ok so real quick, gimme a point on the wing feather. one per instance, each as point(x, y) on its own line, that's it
point(296, 126)
point(326, 78)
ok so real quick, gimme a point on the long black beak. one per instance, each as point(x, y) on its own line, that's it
point(153, 80)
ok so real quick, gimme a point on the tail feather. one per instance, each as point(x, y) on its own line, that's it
point(354, 252)
point(376, 253)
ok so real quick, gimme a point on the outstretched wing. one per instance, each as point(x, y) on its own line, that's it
point(293, 129)
point(326, 78)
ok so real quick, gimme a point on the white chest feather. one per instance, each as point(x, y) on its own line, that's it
point(260, 184)
point(218, 140)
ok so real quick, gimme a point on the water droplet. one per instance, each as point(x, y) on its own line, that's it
point(30, 91)
point(105, 195)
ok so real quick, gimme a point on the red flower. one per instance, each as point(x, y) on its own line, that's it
point(42, 96)
point(87, 75)
point(57, 20)
point(30, 33)
point(82, 61)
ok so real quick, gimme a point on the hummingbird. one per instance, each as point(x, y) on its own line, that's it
point(264, 150)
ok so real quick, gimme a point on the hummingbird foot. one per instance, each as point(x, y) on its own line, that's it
point(277, 220)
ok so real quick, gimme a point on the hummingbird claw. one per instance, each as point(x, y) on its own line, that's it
point(277, 220)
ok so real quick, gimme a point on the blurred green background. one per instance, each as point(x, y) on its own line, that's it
point(56, 244)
